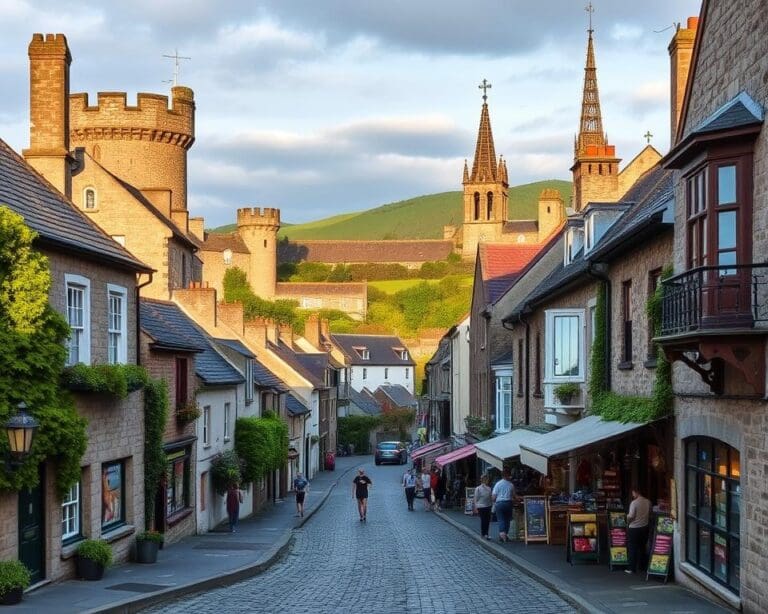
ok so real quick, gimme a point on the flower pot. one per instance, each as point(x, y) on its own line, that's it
point(565, 400)
point(12, 597)
point(88, 569)
point(146, 551)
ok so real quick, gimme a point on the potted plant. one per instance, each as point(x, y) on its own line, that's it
point(14, 578)
point(226, 470)
point(93, 557)
point(147, 545)
point(566, 392)
point(189, 412)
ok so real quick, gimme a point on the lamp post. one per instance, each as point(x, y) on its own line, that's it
point(20, 429)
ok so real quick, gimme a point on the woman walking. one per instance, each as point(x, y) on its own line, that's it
point(502, 495)
point(425, 488)
point(481, 505)
point(234, 499)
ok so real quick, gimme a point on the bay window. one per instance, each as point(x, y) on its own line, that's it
point(564, 345)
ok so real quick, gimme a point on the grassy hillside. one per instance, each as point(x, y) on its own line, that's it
point(416, 218)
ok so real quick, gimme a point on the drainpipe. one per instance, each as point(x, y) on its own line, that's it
point(597, 271)
point(138, 317)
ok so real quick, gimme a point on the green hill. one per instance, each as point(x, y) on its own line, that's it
point(416, 218)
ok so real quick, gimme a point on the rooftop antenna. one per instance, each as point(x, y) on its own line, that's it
point(175, 57)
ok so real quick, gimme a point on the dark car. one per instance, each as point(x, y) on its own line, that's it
point(391, 452)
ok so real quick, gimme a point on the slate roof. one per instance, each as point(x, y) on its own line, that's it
point(170, 328)
point(332, 252)
point(288, 356)
point(515, 226)
point(58, 223)
point(315, 363)
point(380, 348)
point(264, 378)
point(365, 402)
point(502, 263)
point(237, 346)
point(295, 406)
point(737, 112)
point(399, 395)
point(218, 242)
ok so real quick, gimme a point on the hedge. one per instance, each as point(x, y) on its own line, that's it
point(261, 444)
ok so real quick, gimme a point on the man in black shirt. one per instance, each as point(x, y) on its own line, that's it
point(360, 491)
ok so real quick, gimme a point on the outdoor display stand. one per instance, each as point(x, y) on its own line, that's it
point(661, 548)
point(535, 512)
point(469, 500)
point(617, 540)
point(583, 538)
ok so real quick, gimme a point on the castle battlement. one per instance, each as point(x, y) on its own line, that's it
point(550, 194)
point(50, 44)
point(257, 216)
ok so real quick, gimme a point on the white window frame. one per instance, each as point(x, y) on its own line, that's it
point(504, 414)
point(549, 346)
point(206, 426)
point(407, 373)
point(386, 373)
point(84, 284)
point(227, 411)
point(70, 510)
point(365, 373)
point(122, 331)
point(95, 207)
point(589, 233)
point(227, 256)
point(248, 380)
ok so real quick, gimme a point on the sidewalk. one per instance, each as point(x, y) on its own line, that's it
point(196, 563)
point(589, 587)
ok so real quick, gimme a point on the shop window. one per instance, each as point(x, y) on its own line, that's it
point(71, 514)
point(503, 401)
point(79, 318)
point(117, 335)
point(564, 350)
point(112, 494)
point(713, 509)
point(177, 482)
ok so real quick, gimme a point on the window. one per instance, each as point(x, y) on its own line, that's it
point(79, 318)
point(713, 509)
point(362, 352)
point(654, 279)
point(249, 381)
point(70, 514)
point(696, 224)
point(574, 240)
point(407, 373)
point(181, 382)
point(89, 199)
point(227, 411)
point(203, 490)
point(626, 317)
point(184, 278)
point(402, 353)
point(207, 425)
point(112, 494)
point(537, 366)
point(520, 366)
point(177, 482)
point(386, 373)
point(117, 323)
point(477, 206)
point(503, 400)
point(365, 373)
point(489, 206)
point(227, 255)
point(564, 351)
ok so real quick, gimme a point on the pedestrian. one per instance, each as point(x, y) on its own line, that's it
point(234, 499)
point(360, 486)
point(426, 488)
point(434, 486)
point(481, 505)
point(502, 495)
point(637, 531)
point(301, 486)
point(409, 484)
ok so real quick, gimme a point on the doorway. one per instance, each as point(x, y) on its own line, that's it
point(32, 529)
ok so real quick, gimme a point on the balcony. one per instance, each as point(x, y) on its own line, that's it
point(715, 315)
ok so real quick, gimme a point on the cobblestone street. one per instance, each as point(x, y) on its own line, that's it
point(398, 561)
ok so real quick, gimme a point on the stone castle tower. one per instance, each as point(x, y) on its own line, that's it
point(258, 228)
point(595, 165)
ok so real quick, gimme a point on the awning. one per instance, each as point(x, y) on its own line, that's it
point(427, 448)
point(586, 431)
point(495, 451)
point(454, 455)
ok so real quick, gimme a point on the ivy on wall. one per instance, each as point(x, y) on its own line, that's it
point(261, 444)
point(115, 380)
point(155, 416)
point(612, 406)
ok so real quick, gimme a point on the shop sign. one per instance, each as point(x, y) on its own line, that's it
point(661, 550)
point(617, 539)
point(536, 528)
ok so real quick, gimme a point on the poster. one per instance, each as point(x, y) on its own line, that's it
point(469, 500)
point(536, 528)
point(617, 536)
point(111, 493)
point(661, 548)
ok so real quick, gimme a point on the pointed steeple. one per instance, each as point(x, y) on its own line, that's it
point(484, 166)
point(591, 125)
point(465, 180)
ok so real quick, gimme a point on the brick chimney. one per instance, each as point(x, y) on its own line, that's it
point(680, 52)
point(197, 227)
point(255, 333)
point(48, 152)
point(286, 334)
point(273, 331)
point(199, 300)
point(312, 330)
point(231, 314)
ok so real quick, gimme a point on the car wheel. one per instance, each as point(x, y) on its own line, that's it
point(378, 462)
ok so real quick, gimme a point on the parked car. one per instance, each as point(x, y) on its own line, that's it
point(390, 452)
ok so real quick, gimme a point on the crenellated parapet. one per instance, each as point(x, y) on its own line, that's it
point(267, 217)
point(151, 119)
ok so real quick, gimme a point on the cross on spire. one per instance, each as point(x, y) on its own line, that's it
point(176, 57)
point(485, 86)
point(648, 136)
point(590, 9)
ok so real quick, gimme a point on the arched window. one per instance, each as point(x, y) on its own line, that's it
point(89, 198)
point(712, 509)
point(477, 205)
point(227, 254)
point(489, 205)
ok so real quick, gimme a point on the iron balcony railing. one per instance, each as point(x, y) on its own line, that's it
point(721, 297)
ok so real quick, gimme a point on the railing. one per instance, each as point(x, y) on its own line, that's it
point(732, 296)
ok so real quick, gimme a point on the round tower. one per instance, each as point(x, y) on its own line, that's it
point(258, 228)
point(145, 145)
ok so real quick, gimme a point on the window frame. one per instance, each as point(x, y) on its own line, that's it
point(82, 284)
point(549, 348)
point(504, 410)
point(121, 355)
point(113, 523)
point(172, 459)
point(206, 426)
point(181, 371)
point(95, 206)
point(626, 323)
point(76, 504)
point(227, 417)
point(249, 367)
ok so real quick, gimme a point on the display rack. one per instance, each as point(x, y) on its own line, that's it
point(617, 540)
point(661, 548)
point(583, 538)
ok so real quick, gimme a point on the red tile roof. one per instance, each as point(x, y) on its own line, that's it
point(502, 264)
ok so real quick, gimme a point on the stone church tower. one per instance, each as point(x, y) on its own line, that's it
point(595, 165)
point(257, 229)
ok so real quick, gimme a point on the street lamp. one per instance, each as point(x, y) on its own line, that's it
point(20, 429)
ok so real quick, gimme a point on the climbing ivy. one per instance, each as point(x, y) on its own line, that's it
point(262, 444)
point(155, 416)
point(623, 408)
point(114, 380)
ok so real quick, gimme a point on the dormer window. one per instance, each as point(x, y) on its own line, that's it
point(89, 199)
point(363, 353)
point(596, 224)
point(574, 241)
point(401, 353)
point(227, 255)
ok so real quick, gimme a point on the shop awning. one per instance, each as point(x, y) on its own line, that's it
point(427, 448)
point(495, 451)
point(586, 431)
point(454, 455)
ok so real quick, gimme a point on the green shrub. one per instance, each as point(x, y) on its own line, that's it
point(479, 426)
point(398, 420)
point(115, 380)
point(566, 391)
point(356, 430)
point(226, 471)
point(13, 575)
point(262, 444)
point(155, 417)
point(96, 550)
point(150, 536)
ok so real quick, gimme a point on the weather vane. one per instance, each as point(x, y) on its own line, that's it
point(590, 9)
point(485, 86)
point(648, 136)
point(176, 57)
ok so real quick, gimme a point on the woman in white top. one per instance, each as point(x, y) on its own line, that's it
point(502, 496)
point(481, 505)
point(425, 478)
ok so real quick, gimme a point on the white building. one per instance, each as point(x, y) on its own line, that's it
point(374, 360)
point(459, 339)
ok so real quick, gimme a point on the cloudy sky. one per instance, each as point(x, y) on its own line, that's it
point(325, 106)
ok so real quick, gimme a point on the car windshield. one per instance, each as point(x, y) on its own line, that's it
point(387, 446)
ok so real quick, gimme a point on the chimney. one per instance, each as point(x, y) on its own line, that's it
point(680, 52)
point(286, 334)
point(231, 314)
point(197, 227)
point(255, 333)
point(273, 332)
point(312, 330)
point(200, 301)
point(325, 331)
point(48, 152)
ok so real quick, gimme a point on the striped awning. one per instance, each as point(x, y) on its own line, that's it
point(454, 455)
point(427, 448)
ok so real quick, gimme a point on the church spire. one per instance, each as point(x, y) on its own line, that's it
point(484, 165)
point(591, 125)
point(465, 180)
